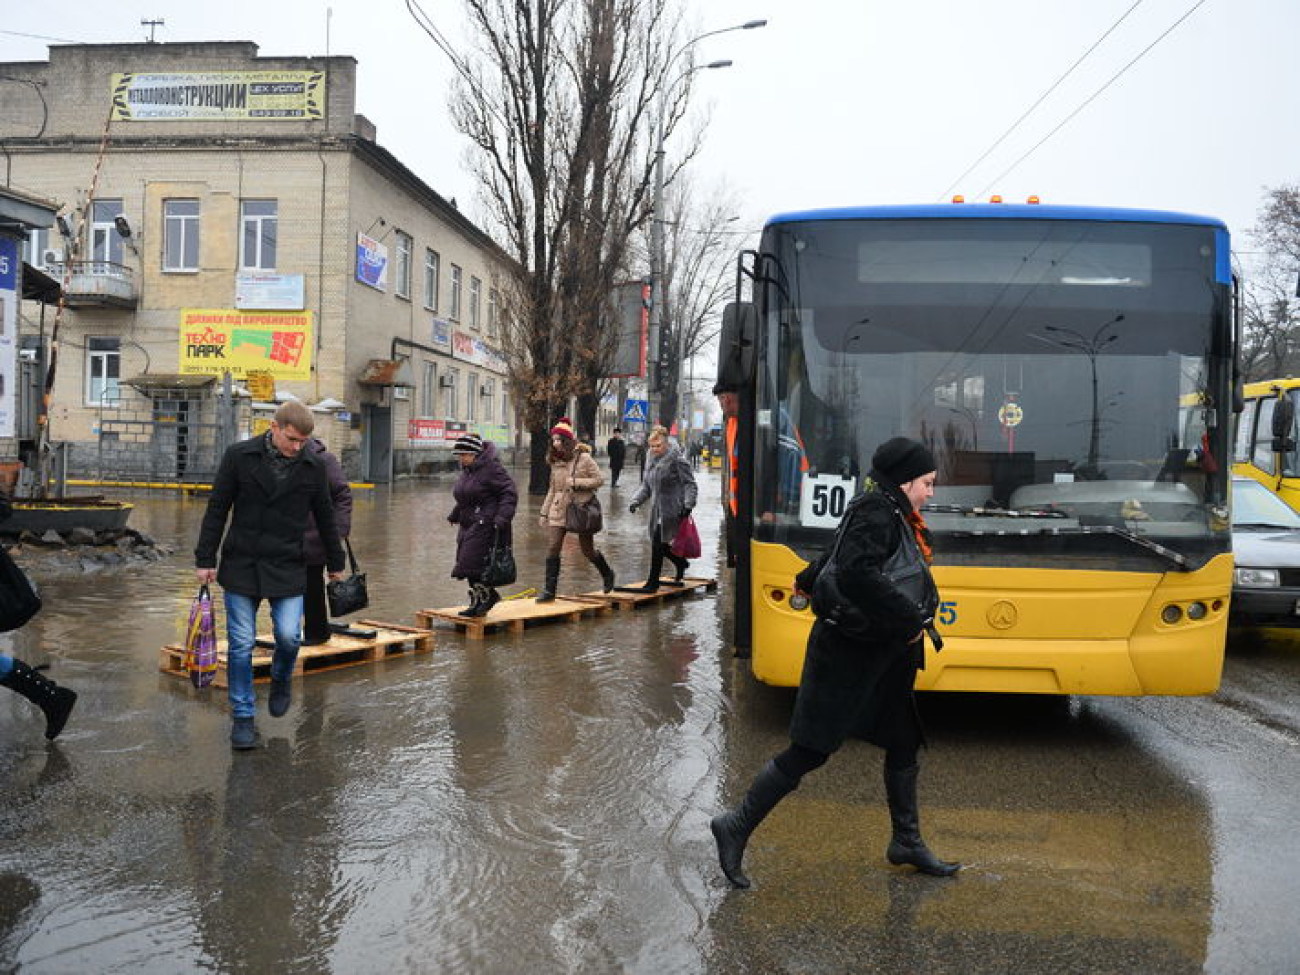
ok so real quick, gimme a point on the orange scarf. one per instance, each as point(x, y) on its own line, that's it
point(922, 535)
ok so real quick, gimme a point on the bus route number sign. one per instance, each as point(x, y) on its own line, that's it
point(823, 499)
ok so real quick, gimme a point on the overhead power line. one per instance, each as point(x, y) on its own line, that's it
point(1041, 98)
point(1093, 97)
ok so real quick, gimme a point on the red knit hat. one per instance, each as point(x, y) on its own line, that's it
point(563, 428)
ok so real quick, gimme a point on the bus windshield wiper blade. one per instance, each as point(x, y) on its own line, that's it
point(959, 509)
point(1177, 558)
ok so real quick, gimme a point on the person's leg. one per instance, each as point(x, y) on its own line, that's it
point(552, 584)
point(905, 843)
point(778, 778)
point(286, 611)
point(315, 609)
point(241, 631)
point(54, 701)
point(679, 564)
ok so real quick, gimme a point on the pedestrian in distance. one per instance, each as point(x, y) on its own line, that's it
point(669, 486)
point(485, 497)
point(575, 476)
point(861, 684)
point(54, 701)
point(617, 450)
point(265, 487)
point(316, 627)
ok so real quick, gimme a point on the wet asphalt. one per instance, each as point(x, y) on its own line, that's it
point(539, 801)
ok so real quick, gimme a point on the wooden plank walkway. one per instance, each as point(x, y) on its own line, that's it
point(514, 615)
point(390, 640)
point(634, 600)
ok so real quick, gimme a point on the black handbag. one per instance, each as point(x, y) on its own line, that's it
point(905, 568)
point(584, 517)
point(348, 595)
point(500, 569)
point(19, 598)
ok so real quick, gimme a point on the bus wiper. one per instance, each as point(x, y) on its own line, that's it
point(1177, 558)
point(959, 509)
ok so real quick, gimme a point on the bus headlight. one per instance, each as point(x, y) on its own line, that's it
point(1256, 578)
point(799, 601)
point(1197, 611)
point(1171, 613)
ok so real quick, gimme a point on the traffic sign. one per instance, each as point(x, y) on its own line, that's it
point(636, 411)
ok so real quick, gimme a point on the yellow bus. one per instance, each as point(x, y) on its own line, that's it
point(1047, 356)
point(1265, 444)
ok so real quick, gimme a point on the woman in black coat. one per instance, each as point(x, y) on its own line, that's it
point(485, 505)
point(859, 684)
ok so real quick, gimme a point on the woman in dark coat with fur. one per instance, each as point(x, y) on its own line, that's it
point(860, 686)
point(485, 505)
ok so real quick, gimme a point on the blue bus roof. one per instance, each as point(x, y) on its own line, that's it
point(995, 211)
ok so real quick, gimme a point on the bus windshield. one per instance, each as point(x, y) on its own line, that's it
point(1069, 376)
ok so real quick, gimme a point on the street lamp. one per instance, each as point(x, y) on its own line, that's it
point(1091, 347)
point(658, 290)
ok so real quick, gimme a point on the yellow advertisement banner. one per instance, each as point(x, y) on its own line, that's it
point(219, 340)
point(263, 96)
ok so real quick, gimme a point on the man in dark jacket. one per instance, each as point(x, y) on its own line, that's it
point(617, 450)
point(271, 484)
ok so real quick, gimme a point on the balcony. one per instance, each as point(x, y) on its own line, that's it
point(94, 284)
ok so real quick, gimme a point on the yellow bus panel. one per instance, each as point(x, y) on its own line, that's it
point(1032, 631)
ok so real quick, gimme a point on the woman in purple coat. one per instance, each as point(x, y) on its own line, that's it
point(485, 505)
point(315, 610)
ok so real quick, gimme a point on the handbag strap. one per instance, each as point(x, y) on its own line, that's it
point(352, 559)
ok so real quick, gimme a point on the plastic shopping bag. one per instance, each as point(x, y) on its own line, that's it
point(201, 640)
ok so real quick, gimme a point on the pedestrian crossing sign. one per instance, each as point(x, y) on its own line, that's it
point(636, 411)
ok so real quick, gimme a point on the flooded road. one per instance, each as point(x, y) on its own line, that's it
point(539, 801)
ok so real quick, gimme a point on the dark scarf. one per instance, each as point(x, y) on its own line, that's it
point(280, 465)
point(913, 517)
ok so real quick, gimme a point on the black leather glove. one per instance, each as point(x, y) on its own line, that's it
point(633, 506)
point(686, 511)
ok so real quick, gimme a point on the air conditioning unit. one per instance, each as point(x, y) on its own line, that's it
point(446, 381)
point(401, 392)
point(51, 256)
point(485, 391)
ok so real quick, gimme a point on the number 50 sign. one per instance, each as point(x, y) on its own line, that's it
point(823, 499)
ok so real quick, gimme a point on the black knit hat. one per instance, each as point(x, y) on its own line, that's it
point(468, 443)
point(902, 459)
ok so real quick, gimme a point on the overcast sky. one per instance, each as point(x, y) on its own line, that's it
point(840, 102)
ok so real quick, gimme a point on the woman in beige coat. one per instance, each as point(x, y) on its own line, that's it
point(575, 476)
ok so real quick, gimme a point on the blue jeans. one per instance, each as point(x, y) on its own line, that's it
point(241, 631)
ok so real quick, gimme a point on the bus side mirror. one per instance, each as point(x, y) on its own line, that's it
point(1283, 423)
point(736, 345)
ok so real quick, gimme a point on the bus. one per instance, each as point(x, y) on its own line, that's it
point(1264, 447)
point(1073, 371)
point(714, 447)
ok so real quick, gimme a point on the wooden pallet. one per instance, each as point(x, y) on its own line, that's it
point(514, 615)
point(390, 640)
point(631, 600)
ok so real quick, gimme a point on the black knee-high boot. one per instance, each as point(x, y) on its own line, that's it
point(606, 573)
point(656, 569)
point(552, 580)
point(472, 609)
point(906, 845)
point(731, 830)
point(55, 701)
point(679, 564)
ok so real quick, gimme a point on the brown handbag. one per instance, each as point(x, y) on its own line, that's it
point(583, 517)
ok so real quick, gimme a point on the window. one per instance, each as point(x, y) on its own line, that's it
point(471, 398)
point(260, 224)
point(489, 398)
point(428, 389)
point(475, 293)
point(449, 394)
point(180, 235)
point(455, 293)
point(103, 370)
point(402, 287)
point(494, 301)
point(37, 245)
point(105, 241)
point(431, 264)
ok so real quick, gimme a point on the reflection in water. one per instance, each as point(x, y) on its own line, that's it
point(539, 801)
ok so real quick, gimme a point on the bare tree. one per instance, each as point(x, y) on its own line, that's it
point(1271, 340)
point(558, 106)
